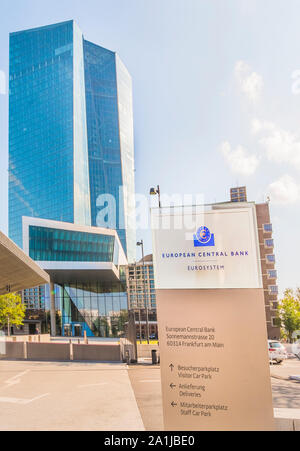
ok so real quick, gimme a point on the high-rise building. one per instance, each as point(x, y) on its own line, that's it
point(71, 147)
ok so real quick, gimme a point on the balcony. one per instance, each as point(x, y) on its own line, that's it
point(269, 243)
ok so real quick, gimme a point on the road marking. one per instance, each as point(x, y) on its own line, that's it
point(16, 379)
point(37, 398)
point(92, 385)
point(22, 401)
point(150, 380)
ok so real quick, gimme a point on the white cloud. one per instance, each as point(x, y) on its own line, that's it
point(284, 191)
point(250, 82)
point(281, 146)
point(239, 161)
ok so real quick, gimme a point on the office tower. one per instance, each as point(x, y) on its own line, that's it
point(70, 133)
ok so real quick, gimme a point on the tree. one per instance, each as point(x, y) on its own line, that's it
point(12, 311)
point(289, 312)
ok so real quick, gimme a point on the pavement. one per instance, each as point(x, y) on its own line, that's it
point(39, 396)
point(100, 396)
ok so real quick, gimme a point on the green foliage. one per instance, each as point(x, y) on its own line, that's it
point(12, 311)
point(289, 312)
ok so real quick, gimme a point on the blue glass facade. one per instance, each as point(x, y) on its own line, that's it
point(41, 128)
point(48, 244)
point(70, 132)
point(110, 140)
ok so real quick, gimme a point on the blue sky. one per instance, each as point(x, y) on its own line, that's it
point(215, 103)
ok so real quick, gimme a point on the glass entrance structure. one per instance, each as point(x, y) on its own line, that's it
point(98, 308)
point(87, 268)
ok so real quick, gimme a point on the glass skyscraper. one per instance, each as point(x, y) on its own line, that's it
point(70, 134)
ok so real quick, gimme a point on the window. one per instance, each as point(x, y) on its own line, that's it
point(272, 274)
point(274, 344)
point(273, 306)
point(270, 258)
point(269, 243)
point(267, 228)
point(275, 323)
point(273, 289)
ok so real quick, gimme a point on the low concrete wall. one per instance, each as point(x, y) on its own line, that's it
point(61, 352)
point(13, 350)
point(97, 353)
point(145, 351)
point(48, 351)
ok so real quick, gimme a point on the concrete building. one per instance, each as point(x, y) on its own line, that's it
point(142, 296)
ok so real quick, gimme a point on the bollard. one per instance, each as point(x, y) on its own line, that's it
point(25, 350)
point(154, 357)
point(127, 357)
point(71, 350)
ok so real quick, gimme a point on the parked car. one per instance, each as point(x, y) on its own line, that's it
point(277, 352)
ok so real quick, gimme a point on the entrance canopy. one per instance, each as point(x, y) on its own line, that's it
point(17, 270)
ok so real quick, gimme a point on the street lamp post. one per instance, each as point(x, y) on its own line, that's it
point(154, 192)
point(141, 243)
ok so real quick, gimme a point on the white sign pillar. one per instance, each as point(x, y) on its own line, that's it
point(212, 324)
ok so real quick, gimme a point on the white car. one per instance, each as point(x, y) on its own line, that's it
point(277, 352)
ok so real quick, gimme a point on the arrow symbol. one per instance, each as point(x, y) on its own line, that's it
point(171, 366)
point(173, 404)
point(172, 385)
